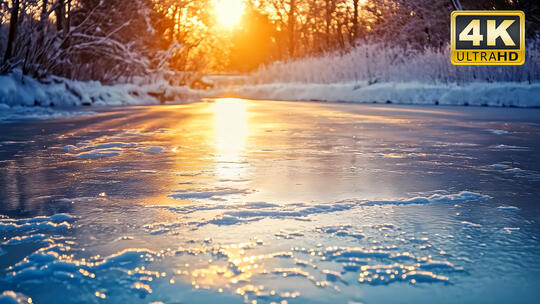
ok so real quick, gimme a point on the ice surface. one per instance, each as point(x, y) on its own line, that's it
point(306, 203)
point(97, 154)
point(17, 112)
point(211, 193)
point(98, 149)
point(155, 149)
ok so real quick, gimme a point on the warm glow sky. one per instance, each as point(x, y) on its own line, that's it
point(229, 12)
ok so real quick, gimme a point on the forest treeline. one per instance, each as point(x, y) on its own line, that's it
point(117, 39)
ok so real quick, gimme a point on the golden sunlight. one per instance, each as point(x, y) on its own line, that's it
point(229, 12)
point(230, 132)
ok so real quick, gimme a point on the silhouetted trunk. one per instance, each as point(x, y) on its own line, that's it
point(68, 19)
point(13, 24)
point(355, 20)
point(43, 19)
point(44, 16)
point(291, 27)
point(60, 11)
point(339, 35)
point(327, 8)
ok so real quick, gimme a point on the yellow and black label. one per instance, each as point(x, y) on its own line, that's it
point(487, 37)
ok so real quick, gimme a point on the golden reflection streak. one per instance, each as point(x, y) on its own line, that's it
point(230, 134)
point(240, 268)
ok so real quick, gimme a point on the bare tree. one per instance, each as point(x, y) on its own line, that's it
point(60, 11)
point(291, 21)
point(13, 27)
point(355, 20)
point(328, 10)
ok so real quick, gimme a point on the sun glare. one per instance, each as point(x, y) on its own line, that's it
point(231, 132)
point(229, 12)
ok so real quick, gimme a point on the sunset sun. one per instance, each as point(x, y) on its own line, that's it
point(229, 12)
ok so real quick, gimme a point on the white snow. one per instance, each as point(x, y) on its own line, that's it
point(385, 76)
point(471, 224)
point(207, 194)
point(510, 169)
point(41, 223)
point(20, 90)
point(498, 132)
point(508, 147)
point(11, 297)
point(379, 73)
point(233, 214)
point(34, 238)
point(460, 197)
point(414, 92)
point(508, 208)
point(499, 166)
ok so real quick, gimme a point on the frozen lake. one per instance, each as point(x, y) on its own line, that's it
point(232, 201)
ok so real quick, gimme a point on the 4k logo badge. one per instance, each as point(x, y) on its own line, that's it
point(487, 37)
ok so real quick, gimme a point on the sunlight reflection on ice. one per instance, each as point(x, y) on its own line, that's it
point(231, 132)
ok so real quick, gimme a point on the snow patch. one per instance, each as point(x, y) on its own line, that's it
point(40, 223)
point(508, 147)
point(498, 132)
point(11, 297)
point(34, 238)
point(207, 194)
point(20, 90)
point(155, 149)
point(243, 213)
point(460, 197)
point(97, 154)
point(507, 207)
point(476, 93)
point(471, 224)
point(86, 150)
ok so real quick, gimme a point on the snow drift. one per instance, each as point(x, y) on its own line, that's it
point(21, 90)
point(374, 73)
point(476, 93)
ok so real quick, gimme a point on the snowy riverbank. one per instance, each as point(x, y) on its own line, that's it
point(377, 73)
point(476, 93)
point(19, 90)
point(25, 97)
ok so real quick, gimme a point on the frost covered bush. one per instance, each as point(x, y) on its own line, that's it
point(108, 41)
point(380, 63)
